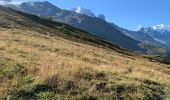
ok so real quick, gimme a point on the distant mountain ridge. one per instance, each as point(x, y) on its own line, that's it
point(160, 33)
point(157, 35)
point(161, 28)
point(41, 8)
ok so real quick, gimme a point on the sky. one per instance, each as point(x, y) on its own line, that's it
point(129, 14)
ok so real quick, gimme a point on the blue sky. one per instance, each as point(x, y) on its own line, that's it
point(126, 13)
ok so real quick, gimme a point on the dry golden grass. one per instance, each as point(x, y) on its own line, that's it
point(45, 56)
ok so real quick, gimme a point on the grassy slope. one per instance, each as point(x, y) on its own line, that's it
point(43, 66)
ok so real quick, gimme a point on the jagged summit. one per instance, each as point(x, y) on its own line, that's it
point(81, 10)
point(161, 27)
point(159, 33)
point(44, 8)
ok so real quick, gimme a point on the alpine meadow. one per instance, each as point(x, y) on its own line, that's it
point(49, 53)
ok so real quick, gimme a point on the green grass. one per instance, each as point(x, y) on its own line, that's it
point(104, 85)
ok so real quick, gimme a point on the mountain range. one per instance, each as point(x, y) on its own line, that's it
point(151, 40)
point(159, 33)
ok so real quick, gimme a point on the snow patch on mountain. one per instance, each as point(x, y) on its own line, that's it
point(78, 10)
point(161, 28)
point(159, 33)
point(85, 11)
